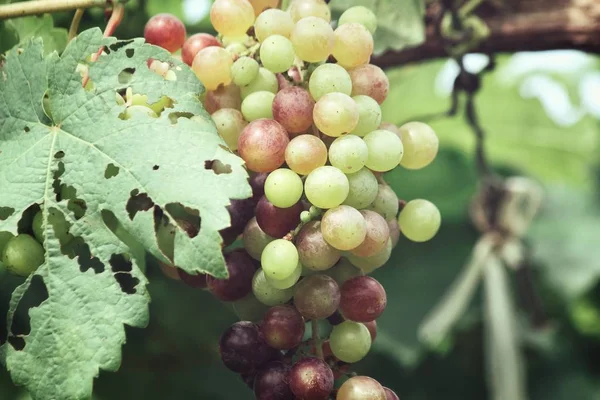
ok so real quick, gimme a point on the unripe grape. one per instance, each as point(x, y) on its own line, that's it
point(310, 8)
point(212, 66)
point(350, 342)
point(244, 70)
point(277, 53)
point(166, 31)
point(353, 45)
point(313, 39)
point(361, 15)
point(420, 145)
point(255, 239)
point(258, 105)
point(283, 188)
point(369, 113)
point(273, 22)
point(232, 17)
point(348, 153)
point(326, 187)
point(22, 255)
point(279, 259)
point(363, 189)
point(371, 263)
point(385, 150)
point(317, 297)
point(194, 44)
point(386, 202)
point(264, 81)
point(419, 220)
point(336, 114)
point(328, 78)
point(267, 294)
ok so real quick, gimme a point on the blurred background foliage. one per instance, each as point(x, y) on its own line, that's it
point(540, 112)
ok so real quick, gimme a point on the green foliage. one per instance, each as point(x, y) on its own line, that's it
point(55, 39)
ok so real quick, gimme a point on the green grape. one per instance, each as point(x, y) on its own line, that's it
point(385, 150)
point(264, 81)
point(4, 238)
point(273, 22)
point(22, 255)
point(170, 75)
point(283, 187)
point(57, 220)
point(267, 294)
point(353, 45)
point(277, 53)
point(350, 341)
point(310, 8)
point(158, 107)
point(232, 17)
point(363, 189)
point(420, 145)
point(313, 39)
point(371, 263)
point(361, 15)
point(336, 114)
point(230, 123)
point(244, 70)
point(348, 153)
point(255, 240)
point(386, 202)
point(279, 259)
point(342, 271)
point(328, 78)
point(369, 113)
point(138, 112)
point(419, 220)
point(212, 65)
point(37, 228)
point(249, 308)
point(326, 187)
point(287, 282)
point(344, 227)
point(258, 105)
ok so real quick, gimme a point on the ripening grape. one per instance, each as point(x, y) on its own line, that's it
point(313, 39)
point(310, 8)
point(372, 327)
point(328, 78)
point(194, 44)
point(243, 348)
point(283, 188)
point(315, 253)
point(212, 65)
point(283, 327)
point(363, 189)
point(277, 53)
point(267, 294)
point(166, 31)
point(279, 259)
point(361, 15)
point(271, 382)
point(288, 282)
point(363, 299)
point(224, 97)
point(230, 123)
point(305, 153)
point(350, 342)
point(378, 233)
point(420, 145)
point(369, 113)
point(239, 283)
point(277, 222)
point(419, 220)
point(394, 231)
point(385, 150)
point(371, 263)
point(262, 145)
point(336, 114)
point(390, 394)
point(317, 297)
point(348, 153)
point(264, 81)
point(326, 187)
point(361, 388)
point(311, 378)
point(273, 22)
point(370, 80)
point(353, 45)
point(22, 255)
point(342, 271)
point(244, 70)
point(344, 227)
point(262, 5)
point(232, 17)
point(293, 109)
point(255, 239)
point(386, 202)
point(258, 105)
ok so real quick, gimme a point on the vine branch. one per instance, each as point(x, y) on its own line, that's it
point(36, 7)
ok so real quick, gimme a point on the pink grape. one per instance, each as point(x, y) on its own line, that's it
point(166, 31)
point(370, 80)
point(194, 44)
point(283, 327)
point(262, 145)
point(305, 153)
point(293, 108)
point(224, 97)
point(378, 233)
point(363, 299)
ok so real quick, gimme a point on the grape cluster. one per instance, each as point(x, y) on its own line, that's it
point(294, 95)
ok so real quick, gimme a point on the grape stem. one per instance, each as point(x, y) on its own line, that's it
point(36, 7)
point(316, 339)
point(75, 23)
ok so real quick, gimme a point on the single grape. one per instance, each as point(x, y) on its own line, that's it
point(277, 53)
point(311, 379)
point(212, 65)
point(328, 78)
point(241, 270)
point(255, 240)
point(336, 114)
point(305, 153)
point(22, 255)
point(326, 187)
point(371, 263)
point(370, 80)
point(166, 31)
point(361, 388)
point(232, 17)
point(385, 150)
point(194, 44)
point(419, 220)
point(420, 145)
point(390, 394)
point(344, 227)
point(369, 113)
point(283, 327)
point(138, 112)
point(283, 188)
point(293, 109)
point(279, 259)
point(243, 348)
point(230, 123)
point(315, 253)
point(348, 153)
point(267, 294)
point(262, 145)
point(378, 233)
point(199, 281)
point(372, 327)
point(313, 39)
point(342, 271)
point(288, 282)
point(258, 105)
point(249, 308)
point(361, 15)
point(262, 5)
point(224, 97)
point(350, 341)
point(317, 297)
point(240, 212)
point(272, 382)
point(353, 45)
point(264, 81)
point(386, 202)
point(244, 70)
point(277, 222)
point(363, 299)
point(310, 8)
point(363, 189)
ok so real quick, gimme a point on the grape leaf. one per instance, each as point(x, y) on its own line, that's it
point(55, 39)
point(130, 169)
point(400, 23)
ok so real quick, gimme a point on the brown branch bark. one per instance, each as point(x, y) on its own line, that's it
point(518, 25)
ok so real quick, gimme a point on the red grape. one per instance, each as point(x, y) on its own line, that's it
point(317, 296)
point(272, 382)
point(240, 212)
point(277, 222)
point(311, 379)
point(390, 395)
point(361, 388)
point(378, 233)
point(293, 109)
point(243, 348)
point(372, 327)
point(363, 299)
point(257, 182)
point(262, 145)
point(283, 327)
point(370, 80)
point(195, 281)
point(166, 31)
point(241, 270)
point(194, 44)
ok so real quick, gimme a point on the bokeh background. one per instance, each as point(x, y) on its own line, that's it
point(541, 115)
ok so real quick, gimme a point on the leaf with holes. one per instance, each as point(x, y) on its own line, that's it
point(73, 152)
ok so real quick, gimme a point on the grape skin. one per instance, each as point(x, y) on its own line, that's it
point(283, 188)
point(232, 17)
point(419, 220)
point(305, 153)
point(166, 31)
point(277, 222)
point(230, 123)
point(262, 145)
point(22, 255)
point(420, 145)
point(361, 15)
point(344, 227)
point(273, 22)
point(243, 347)
point(258, 105)
point(326, 187)
point(277, 53)
point(371, 263)
point(369, 113)
point(313, 39)
point(271, 383)
point(390, 395)
point(336, 114)
point(194, 44)
point(309, 8)
point(279, 259)
point(267, 294)
point(350, 341)
point(328, 78)
point(386, 202)
point(353, 45)
point(348, 153)
point(212, 65)
point(265, 80)
point(262, 5)
point(385, 150)
point(241, 270)
point(244, 70)
point(254, 239)
point(293, 109)
point(224, 97)
point(283, 327)
point(370, 80)
point(363, 189)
